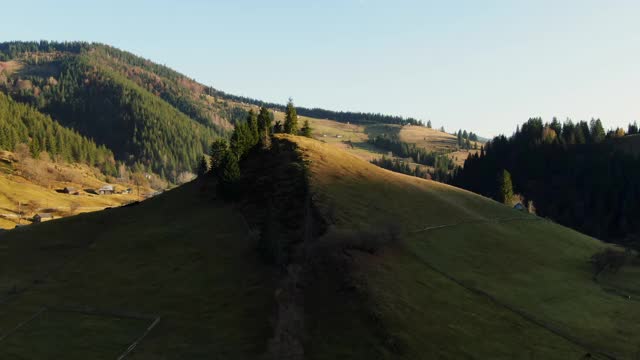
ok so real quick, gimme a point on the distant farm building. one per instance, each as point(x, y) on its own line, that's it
point(106, 190)
point(70, 190)
point(42, 217)
point(519, 207)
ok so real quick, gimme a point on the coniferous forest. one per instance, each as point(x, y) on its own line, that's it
point(22, 124)
point(575, 174)
point(86, 87)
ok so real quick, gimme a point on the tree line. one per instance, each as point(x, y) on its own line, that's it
point(222, 161)
point(575, 174)
point(465, 138)
point(340, 116)
point(418, 154)
point(22, 124)
point(12, 49)
point(141, 129)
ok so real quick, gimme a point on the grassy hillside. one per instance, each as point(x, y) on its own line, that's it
point(34, 186)
point(468, 277)
point(354, 138)
point(182, 257)
point(496, 283)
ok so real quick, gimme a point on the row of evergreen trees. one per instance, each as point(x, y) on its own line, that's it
point(407, 150)
point(438, 173)
point(340, 116)
point(572, 172)
point(400, 166)
point(224, 156)
point(465, 138)
point(22, 124)
point(12, 49)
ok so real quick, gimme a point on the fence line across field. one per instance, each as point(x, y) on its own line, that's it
point(476, 221)
point(155, 319)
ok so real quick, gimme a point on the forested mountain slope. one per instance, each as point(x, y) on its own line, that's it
point(161, 121)
point(22, 124)
point(140, 128)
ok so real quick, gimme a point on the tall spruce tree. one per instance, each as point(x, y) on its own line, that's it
point(505, 187)
point(252, 119)
point(597, 131)
point(219, 149)
point(203, 167)
point(264, 127)
point(291, 119)
point(228, 175)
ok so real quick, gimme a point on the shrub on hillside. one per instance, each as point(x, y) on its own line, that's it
point(608, 260)
point(369, 240)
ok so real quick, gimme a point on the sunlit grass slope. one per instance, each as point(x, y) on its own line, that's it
point(18, 191)
point(499, 284)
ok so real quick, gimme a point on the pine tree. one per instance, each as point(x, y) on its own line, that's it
point(252, 119)
point(228, 175)
point(240, 140)
point(291, 119)
point(264, 127)
point(306, 128)
point(597, 131)
point(230, 170)
point(203, 167)
point(429, 124)
point(505, 187)
point(218, 151)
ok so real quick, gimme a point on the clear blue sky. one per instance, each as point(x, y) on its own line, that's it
point(480, 65)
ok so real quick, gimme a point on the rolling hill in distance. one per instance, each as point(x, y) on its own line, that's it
point(147, 119)
point(291, 243)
